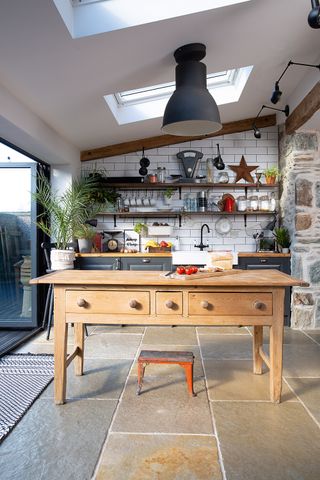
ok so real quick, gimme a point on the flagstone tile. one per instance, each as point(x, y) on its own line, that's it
point(102, 379)
point(57, 442)
point(308, 390)
point(226, 346)
point(260, 440)
point(113, 345)
point(223, 330)
point(235, 380)
point(170, 336)
point(164, 405)
point(161, 457)
point(118, 329)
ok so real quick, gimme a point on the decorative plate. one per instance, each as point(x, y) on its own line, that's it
point(223, 226)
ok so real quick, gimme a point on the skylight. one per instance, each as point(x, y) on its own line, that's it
point(90, 17)
point(150, 102)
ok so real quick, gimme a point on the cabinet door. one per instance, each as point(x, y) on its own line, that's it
point(146, 263)
point(98, 263)
point(278, 263)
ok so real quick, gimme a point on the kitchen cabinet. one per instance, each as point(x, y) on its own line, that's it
point(146, 263)
point(266, 262)
point(191, 185)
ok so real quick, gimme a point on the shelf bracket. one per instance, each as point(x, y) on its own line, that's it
point(180, 221)
point(245, 220)
point(179, 193)
point(114, 220)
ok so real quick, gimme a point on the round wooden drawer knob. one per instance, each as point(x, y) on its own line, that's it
point(81, 302)
point(205, 304)
point(260, 305)
point(133, 304)
point(169, 304)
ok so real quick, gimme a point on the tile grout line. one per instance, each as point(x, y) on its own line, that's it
point(117, 408)
point(303, 404)
point(221, 462)
point(311, 338)
point(166, 433)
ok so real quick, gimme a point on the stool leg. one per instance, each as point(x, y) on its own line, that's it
point(188, 367)
point(141, 369)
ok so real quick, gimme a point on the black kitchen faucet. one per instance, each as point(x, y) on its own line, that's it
point(201, 244)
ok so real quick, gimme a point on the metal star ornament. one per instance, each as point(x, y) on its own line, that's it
point(243, 171)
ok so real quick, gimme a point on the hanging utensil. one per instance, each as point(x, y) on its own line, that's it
point(144, 163)
point(217, 161)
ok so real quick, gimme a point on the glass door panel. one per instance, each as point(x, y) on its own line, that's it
point(17, 245)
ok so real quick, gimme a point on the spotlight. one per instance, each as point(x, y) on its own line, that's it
point(276, 94)
point(314, 15)
point(256, 132)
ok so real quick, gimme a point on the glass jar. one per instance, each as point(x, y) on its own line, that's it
point(161, 174)
point(223, 177)
point(241, 203)
point(264, 203)
point(272, 202)
point(253, 203)
point(209, 170)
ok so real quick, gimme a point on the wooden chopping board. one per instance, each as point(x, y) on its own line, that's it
point(200, 275)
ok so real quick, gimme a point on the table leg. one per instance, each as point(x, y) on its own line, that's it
point(60, 346)
point(257, 343)
point(79, 343)
point(276, 346)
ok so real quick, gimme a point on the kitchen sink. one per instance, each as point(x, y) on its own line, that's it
point(192, 257)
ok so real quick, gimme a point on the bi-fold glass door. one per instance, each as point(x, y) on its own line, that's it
point(18, 245)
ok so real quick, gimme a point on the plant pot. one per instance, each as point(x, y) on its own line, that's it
point(284, 250)
point(85, 245)
point(62, 259)
point(270, 179)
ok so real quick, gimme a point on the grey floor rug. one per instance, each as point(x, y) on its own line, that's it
point(22, 379)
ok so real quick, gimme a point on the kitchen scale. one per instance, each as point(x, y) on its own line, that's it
point(190, 161)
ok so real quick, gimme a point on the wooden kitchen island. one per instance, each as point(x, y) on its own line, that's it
point(236, 297)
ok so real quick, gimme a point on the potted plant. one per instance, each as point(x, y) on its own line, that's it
point(63, 214)
point(283, 238)
point(168, 194)
point(141, 229)
point(271, 174)
point(85, 234)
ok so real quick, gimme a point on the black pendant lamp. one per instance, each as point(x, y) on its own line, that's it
point(191, 110)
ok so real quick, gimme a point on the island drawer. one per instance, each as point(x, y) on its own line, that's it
point(168, 303)
point(230, 303)
point(108, 302)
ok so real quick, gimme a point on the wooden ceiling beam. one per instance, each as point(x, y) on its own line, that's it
point(304, 111)
point(164, 140)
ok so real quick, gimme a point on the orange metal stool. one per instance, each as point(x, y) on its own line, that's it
point(184, 359)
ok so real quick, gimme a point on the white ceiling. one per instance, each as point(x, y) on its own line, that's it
point(63, 80)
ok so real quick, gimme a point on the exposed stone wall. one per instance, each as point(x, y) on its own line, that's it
point(300, 208)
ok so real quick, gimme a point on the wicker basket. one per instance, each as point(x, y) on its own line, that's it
point(159, 249)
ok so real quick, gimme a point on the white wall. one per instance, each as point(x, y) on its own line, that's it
point(23, 128)
point(262, 152)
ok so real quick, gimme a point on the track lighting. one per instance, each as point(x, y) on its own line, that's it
point(256, 131)
point(191, 110)
point(314, 15)
point(276, 94)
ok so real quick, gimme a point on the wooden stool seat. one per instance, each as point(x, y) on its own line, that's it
point(184, 359)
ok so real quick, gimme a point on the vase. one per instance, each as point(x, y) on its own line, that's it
point(62, 259)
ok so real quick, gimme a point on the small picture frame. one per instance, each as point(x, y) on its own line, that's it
point(131, 240)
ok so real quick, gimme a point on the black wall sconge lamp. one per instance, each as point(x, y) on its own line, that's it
point(276, 95)
point(256, 131)
point(314, 15)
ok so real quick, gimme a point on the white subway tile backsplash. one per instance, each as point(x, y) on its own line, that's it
point(262, 152)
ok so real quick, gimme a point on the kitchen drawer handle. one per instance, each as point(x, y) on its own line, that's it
point(169, 304)
point(205, 304)
point(263, 260)
point(81, 302)
point(260, 305)
point(146, 260)
point(133, 304)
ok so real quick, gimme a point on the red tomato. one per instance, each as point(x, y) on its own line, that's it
point(195, 269)
point(189, 270)
point(181, 270)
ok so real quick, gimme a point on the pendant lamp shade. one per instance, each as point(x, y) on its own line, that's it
point(191, 110)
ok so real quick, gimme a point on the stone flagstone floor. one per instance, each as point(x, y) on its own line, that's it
point(230, 431)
